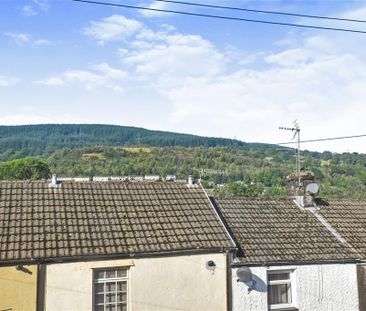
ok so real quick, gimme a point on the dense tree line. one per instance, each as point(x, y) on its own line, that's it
point(251, 171)
point(226, 167)
point(225, 171)
point(30, 140)
point(255, 171)
point(24, 169)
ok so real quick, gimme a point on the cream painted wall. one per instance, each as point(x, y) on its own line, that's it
point(316, 288)
point(165, 283)
point(18, 289)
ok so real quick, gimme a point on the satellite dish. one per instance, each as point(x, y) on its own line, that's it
point(244, 274)
point(312, 188)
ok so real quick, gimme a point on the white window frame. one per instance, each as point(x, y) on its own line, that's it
point(290, 281)
point(106, 280)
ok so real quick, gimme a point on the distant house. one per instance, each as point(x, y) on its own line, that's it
point(300, 253)
point(119, 246)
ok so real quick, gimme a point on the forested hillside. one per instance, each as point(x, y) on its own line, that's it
point(253, 171)
point(227, 167)
point(29, 140)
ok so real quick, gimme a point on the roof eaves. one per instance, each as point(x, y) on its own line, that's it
point(295, 262)
point(50, 260)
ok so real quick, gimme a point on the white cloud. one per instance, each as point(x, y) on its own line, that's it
point(33, 115)
point(43, 42)
point(156, 6)
point(33, 7)
point(53, 81)
point(18, 38)
point(359, 14)
point(42, 4)
point(29, 10)
point(289, 58)
point(163, 53)
point(319, 80)
point(175, 56)
point(323, 88)
point(86, 77)
point(102, 76)
point(316, 80)
point(24, 38)
point(3, 82)
point(110, 72)
point(113, 28)
point(6, 81)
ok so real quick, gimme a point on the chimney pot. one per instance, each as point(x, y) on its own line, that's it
point(190, 181)
point(54, 183)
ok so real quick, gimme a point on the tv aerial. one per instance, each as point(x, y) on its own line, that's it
point(296, 130)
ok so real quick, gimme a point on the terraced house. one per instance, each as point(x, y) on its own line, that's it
point(299, 253)
point(111, 246)
point(153, 245)
point(295, 261)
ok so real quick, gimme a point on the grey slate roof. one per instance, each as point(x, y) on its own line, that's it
point(105, 218)
point(275, 231)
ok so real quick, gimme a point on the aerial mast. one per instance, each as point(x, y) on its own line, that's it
point(296, 130)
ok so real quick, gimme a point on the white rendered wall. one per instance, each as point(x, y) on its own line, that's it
point(166, 283)
point(316, 288)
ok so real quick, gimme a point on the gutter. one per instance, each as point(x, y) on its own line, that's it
point(229, 289)
point(298, 263)
point(41, 287)
point(52, 260)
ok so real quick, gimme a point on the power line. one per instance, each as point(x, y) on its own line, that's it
point(322, 139)
point(222, 17)
point(213, 6)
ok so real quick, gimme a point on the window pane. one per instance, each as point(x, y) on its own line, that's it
point(99, 274)
point(111, 274)
point(278, 294)
point(110, 287)
point(278, 276)
point(122, 286)
point(121, 273)
point(121, 307)
point(99, 298)
point(121, 297)
point(99, 287)
point(110, 308)
point(110, 298)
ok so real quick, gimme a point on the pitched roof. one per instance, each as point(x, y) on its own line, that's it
point(348, 217)
point(274, 231)
point(105, 218)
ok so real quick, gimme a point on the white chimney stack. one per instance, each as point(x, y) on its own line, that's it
point(54, 183)
point(190, 181)
point(54, 180)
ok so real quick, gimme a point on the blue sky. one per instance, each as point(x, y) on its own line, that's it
point(68, 62)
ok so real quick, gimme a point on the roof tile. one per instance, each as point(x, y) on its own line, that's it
point(104, 218)
point(271, 231)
